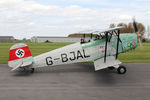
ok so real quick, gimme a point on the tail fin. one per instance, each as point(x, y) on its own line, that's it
point(19, 56)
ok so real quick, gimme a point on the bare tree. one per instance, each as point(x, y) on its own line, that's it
point(112, 25)
point(125, 30)
point(141, 28)
point(130, 29)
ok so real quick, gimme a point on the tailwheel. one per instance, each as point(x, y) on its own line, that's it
point(121, 70)
point(32, 70)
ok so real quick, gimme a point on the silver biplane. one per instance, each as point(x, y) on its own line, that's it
point(103, 51)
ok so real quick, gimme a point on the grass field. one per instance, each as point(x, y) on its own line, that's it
point(140, 54)
point(137, 55)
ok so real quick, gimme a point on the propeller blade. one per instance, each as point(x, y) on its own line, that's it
point(135, 26)
point(139, 39)
point(137, 32)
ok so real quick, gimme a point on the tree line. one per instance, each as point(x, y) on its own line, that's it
point(129, 27)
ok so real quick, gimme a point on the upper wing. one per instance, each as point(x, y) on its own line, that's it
point(102, 31)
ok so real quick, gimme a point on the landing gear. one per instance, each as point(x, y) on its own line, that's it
point(121, 70)
point(111, 68)
point(32, 70)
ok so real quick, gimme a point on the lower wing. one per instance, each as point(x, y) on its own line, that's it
point(111, 61)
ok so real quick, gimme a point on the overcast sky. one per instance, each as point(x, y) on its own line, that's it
point(27, 18)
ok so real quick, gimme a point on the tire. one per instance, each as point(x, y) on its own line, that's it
point(121, 70)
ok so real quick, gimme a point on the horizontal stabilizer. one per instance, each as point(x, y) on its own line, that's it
point(110, 61)
point(26, 64)
point(15, 68)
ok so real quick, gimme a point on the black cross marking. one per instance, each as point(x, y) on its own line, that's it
point(20, 53)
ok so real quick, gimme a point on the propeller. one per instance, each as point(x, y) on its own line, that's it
point(137, 31)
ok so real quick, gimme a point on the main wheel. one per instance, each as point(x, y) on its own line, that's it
point(121, 70)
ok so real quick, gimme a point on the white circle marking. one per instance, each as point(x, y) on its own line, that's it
point(20, 53)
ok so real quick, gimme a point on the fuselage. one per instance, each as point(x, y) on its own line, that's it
point(69, 54)
point(82, 52)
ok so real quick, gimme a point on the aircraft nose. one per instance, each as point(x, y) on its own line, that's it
point(129, 41)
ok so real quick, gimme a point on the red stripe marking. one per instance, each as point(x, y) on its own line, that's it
point(12, 53)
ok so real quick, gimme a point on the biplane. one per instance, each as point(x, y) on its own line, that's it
point(103, 50)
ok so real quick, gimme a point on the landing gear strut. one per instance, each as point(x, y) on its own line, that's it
point(111, 68)
point(31, 70)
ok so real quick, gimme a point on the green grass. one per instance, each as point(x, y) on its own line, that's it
point(137, 55)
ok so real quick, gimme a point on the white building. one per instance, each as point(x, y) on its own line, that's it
point(56, 39)
point(147, 33)
point(7, 39)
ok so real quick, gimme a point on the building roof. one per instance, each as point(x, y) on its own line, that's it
point(6, 37)
point(53, 37)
